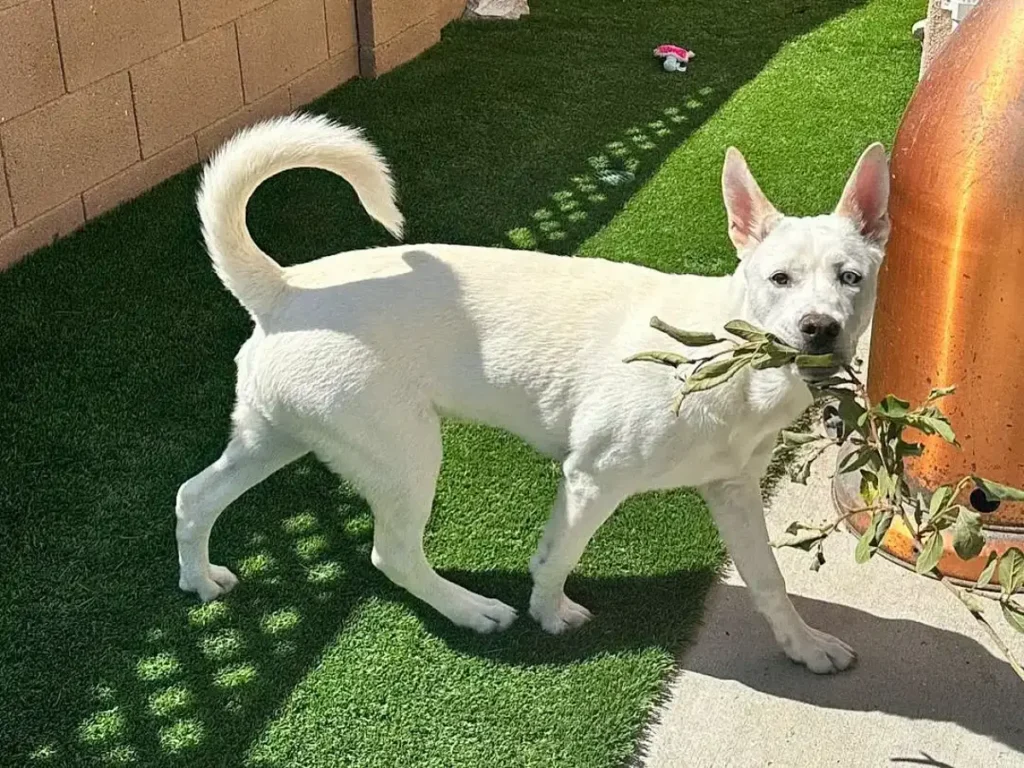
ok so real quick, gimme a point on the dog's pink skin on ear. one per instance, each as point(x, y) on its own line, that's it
point(865, 199)
point(751, 214)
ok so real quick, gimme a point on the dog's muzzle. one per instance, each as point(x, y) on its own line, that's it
point(819, 333)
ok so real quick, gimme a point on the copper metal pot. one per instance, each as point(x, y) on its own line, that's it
point(951, 294)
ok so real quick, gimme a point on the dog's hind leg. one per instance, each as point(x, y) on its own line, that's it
point(254, 453)
point(395, 464)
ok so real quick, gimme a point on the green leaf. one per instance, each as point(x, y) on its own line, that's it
point(1014, 616)
point(940, 500)
point(749, 349)
point(882, 527)
point(775, 345)
point(665, 358)
point(996, 491)
point(989, 571)
point(868, 487)
point(850, 411)
point(745, 330)
point(770, 357)
point(915, 513)
point(1011, 570)
point(860, 458)
point(815, 361)
point(905, 450)
point(893, 407)
point(930, 554)
point(940, 392)
point(689, 338)
point(798, 438)
point(713, 374)
point(933, 424)
point(968, 540)
point(886, 483)
point(866, 543)
point(800, 536)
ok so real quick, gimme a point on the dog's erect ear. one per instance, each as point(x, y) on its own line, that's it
point(751, 215)
point(866, 197)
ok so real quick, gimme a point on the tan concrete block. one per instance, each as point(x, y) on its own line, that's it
point(6, 211)
point(408, 45)
point(100, 37)
point(341, 25)
point(69, 145)
point(41, 231)
point(278, 43)
point(390, 18)
point(30, 72)
point(276, 103)
point(198, 16)
point(186, 88)
point(4, 4)
point(325, 77)
point(450, 10)
point(133, 181)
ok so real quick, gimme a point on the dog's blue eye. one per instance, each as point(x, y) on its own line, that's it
point(780, 278)
point(850, 278)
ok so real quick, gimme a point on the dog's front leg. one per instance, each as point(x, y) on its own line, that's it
point(738, 512)
point(581, 507)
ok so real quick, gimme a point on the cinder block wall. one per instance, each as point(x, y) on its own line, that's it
point(102, 99)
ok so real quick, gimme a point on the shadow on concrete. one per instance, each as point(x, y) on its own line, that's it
point(904, 668)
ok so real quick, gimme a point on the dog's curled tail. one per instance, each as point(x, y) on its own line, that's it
point(254, 155)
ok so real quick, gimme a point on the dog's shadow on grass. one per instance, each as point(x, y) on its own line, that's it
point(630, 612)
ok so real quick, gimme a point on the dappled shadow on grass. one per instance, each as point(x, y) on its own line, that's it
point(542, 142)
point(191, 682)
point(187, 679)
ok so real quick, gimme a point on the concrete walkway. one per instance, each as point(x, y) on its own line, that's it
point(930, 688)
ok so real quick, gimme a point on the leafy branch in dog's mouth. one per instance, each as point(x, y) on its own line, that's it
point(757, 349)
point(872, 442)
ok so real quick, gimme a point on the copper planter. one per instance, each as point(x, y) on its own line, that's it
point(951, 294)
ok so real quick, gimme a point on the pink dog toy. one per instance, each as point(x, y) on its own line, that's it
point(674, 58)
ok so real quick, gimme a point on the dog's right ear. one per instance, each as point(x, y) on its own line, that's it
point(865, 199)
point(751, 215)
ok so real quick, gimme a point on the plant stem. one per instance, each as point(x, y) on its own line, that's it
point(988, 627)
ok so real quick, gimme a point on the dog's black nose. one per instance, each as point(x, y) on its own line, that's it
point(820, 332)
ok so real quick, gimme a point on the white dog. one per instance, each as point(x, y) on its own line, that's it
point(358, 356)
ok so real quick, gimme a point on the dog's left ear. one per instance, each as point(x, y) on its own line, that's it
point(866, 197)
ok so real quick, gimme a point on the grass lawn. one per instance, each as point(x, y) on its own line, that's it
point(117, 347)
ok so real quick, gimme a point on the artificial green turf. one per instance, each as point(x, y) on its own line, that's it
point(117, 347)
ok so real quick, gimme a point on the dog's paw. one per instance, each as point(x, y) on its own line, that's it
point(820, 652)
point(559, 614)
point(216, 582)
point(482, 614)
